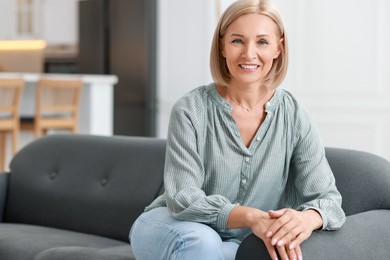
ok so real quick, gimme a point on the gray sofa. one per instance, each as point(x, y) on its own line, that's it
point(363, 180)
point(76, 197)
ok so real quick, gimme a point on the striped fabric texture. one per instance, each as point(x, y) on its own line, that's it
point(209, 170)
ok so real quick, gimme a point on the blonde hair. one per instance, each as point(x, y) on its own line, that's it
point(219, 70)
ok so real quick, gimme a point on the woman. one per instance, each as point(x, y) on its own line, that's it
point(242, 155)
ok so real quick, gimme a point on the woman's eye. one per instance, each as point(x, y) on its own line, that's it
point(237, 41)
point(262, 42)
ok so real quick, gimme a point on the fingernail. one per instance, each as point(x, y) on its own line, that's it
point(269, 234)
point(274, 241)
point(280, 243)
point(300, 257)
point(291, 246)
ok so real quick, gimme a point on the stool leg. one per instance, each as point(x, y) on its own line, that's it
point(37, 132)
point(15, 141)
point(3, 151)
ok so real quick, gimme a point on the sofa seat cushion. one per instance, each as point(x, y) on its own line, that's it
point(20, 241)
point(87, 253)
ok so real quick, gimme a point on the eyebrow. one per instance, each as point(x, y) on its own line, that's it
point(240, 35)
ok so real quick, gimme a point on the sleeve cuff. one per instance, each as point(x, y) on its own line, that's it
point(224, 216)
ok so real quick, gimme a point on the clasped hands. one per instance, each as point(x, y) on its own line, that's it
point(284, 230)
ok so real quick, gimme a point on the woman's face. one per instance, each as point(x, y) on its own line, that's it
point(250, 45)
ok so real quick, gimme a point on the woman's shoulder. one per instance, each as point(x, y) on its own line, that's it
point(192, 106)
point(292, 105)
point(287, 98)
point(195, 99)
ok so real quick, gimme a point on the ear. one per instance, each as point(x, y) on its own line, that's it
point(279, 48)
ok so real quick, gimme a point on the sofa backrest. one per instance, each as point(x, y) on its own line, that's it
point(362, 178)
point(100, 185)
point(92, 184)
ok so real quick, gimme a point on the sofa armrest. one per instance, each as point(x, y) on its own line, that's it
point(363, 236)
point(3, 193)
point(362, 178)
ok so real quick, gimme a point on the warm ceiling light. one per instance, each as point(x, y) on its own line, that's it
point(22, 45)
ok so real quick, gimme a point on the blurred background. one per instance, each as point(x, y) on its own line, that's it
point(159, 50)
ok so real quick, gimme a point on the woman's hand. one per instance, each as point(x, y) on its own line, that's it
point(290, 229)
point(260, 228)
point(282, 231)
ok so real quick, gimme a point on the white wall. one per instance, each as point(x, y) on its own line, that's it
point(339, 64)
point(340, 69)
point(185, 30)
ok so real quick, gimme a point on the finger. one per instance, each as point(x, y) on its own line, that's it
point(271, 250)
point(285, 234)
point(298, 240)
point(292, 255)
point(282, 252)
point(298, 252)
point(280, 222)
point(276, 213)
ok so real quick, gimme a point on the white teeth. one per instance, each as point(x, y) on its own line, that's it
point(248, 66)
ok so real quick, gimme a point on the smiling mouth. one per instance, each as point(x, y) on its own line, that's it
point(249, 67)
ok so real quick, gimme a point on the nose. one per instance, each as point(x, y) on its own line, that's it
point(250, 51)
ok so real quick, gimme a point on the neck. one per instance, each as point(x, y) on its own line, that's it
point(247, 98)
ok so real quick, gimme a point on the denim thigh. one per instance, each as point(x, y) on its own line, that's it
point(157, 235)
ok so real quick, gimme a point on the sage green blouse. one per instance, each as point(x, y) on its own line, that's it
point(209, 170)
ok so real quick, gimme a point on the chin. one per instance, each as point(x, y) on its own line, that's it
point(247, 81)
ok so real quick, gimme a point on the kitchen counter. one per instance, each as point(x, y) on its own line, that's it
point(96, 104)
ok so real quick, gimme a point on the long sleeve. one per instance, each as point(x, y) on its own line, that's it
point(311, 182)
point(185, 174)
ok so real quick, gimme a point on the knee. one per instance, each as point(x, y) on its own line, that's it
point(154, 236)
point(202, 239)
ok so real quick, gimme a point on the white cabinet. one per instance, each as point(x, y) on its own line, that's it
point(52, 20)
point(7, 19)
point(60, 21)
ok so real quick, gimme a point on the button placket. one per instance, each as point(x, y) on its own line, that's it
point(245, 173)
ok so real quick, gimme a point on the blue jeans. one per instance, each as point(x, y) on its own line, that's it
point(156, 235)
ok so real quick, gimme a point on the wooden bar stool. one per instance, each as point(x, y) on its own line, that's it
point(10, 96)
point(57, 105)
